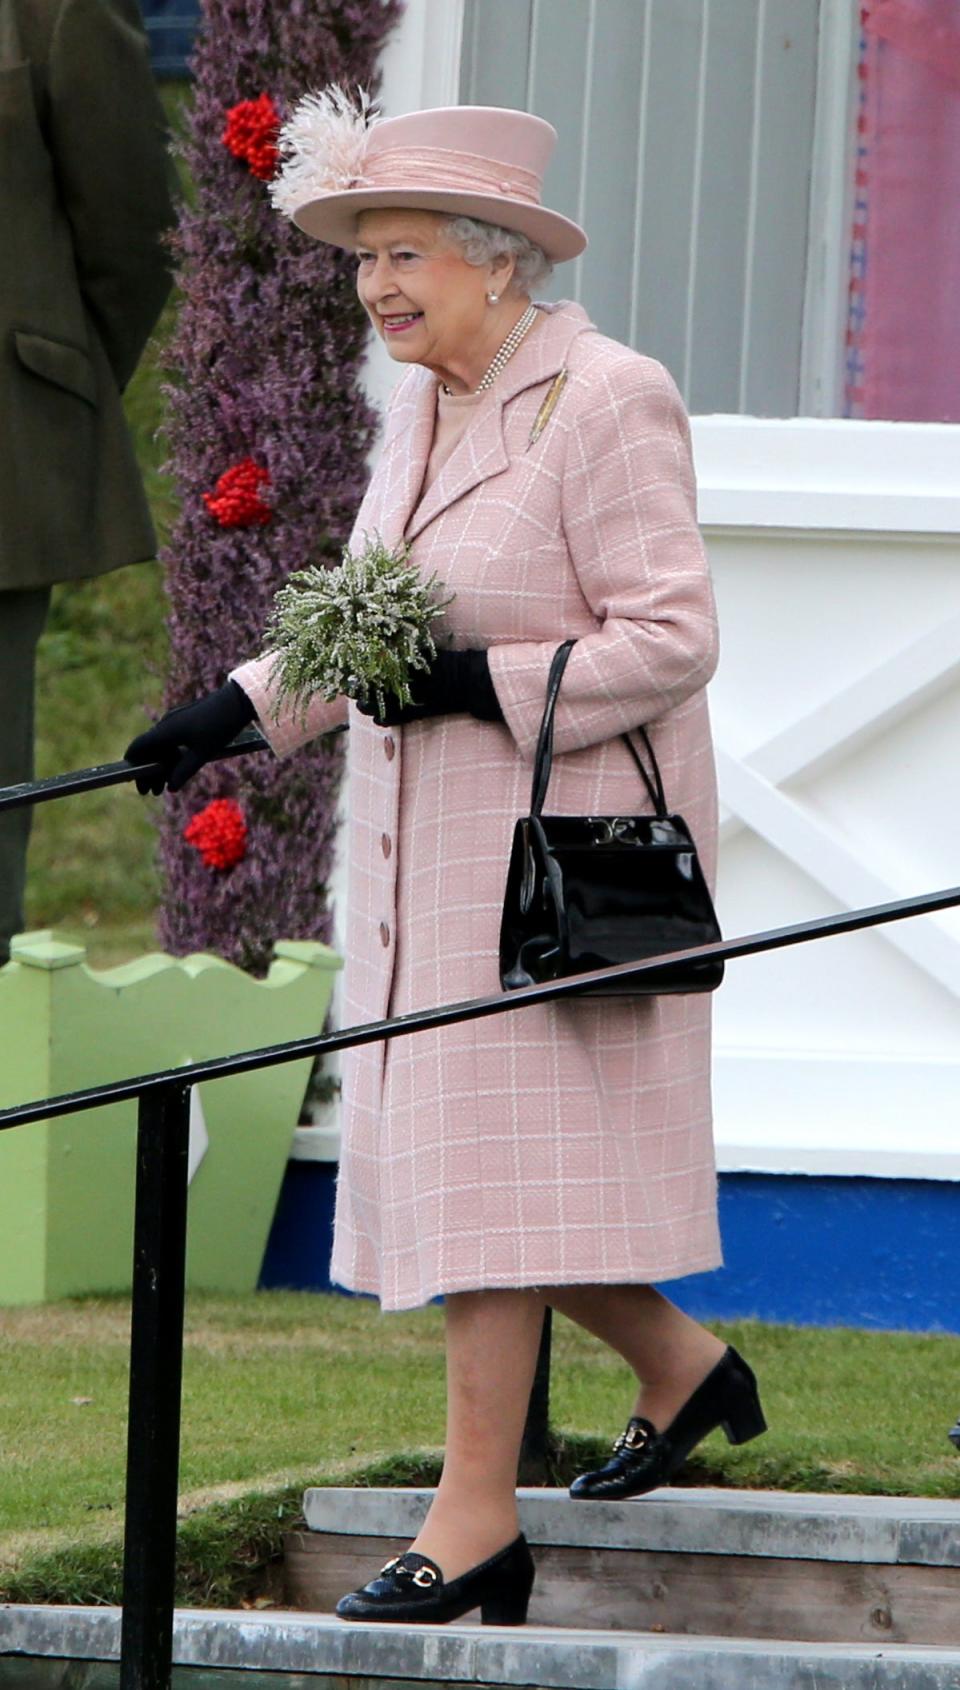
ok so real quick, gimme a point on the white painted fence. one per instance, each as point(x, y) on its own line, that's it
point(835, 547)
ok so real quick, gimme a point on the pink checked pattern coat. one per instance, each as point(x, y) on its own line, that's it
point(559, 1144)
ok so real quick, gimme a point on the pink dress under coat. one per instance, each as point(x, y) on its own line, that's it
point(563, 1143)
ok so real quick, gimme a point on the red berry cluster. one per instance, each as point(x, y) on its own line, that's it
point(251, 135)
point(219, 833)
point(236, 501)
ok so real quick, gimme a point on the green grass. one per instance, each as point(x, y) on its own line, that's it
point(285, 1389)
point(92, 856)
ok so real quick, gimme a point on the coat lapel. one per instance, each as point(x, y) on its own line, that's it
point(395, 488)
point(482, 453)
point(479, 454)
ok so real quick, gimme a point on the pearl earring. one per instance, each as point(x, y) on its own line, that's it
point(493, 298)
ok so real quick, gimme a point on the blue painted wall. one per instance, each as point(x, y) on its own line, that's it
point(815, 1251)
point(297, 1256)
point(170, 28)
point(802, 1250)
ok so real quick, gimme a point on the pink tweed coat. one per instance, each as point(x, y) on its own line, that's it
point(559, 1144)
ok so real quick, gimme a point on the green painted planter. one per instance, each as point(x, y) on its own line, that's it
point(67, 1186)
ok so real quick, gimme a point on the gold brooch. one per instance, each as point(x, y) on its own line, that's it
point(546, 409)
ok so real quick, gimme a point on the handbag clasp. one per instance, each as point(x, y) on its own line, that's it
point(606, 829)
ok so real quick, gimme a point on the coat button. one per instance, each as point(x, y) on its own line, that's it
point(386, 844)
point(389, 747)
point(384, 934)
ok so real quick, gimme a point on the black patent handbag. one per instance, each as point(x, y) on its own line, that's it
point(584, 892)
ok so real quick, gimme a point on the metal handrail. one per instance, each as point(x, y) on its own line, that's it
point(159, 1251)
point(474, 1009)
point(30, 792)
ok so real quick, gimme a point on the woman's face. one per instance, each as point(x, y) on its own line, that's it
point(405, 271)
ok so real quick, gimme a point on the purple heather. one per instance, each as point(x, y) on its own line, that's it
point(265, 362)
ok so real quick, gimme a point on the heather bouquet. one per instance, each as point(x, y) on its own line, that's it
point(362, 628)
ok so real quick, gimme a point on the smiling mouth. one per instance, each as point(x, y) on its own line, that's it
point(402, 322)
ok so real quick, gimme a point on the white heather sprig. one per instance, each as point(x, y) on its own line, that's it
point(359, 629)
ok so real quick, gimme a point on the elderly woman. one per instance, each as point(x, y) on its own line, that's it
point(561, 1155)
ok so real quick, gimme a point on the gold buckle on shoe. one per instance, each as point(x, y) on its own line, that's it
point(425, 1577)
point(635, 1437)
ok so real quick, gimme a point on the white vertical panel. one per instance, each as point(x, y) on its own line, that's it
point(496, 54)
point(558, 90)
point(831, 205)
point(751, 219)
point(641, 157)
point(588, 89)
point(611, 164)
point(695, 196)
point(786, 91)
point(669, 168)
point(421, 61)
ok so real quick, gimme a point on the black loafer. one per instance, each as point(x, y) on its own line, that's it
point(644, 1458)
point(411, 1587)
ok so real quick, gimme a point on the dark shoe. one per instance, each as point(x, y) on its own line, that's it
point(412, 1587)
point(644, 1458)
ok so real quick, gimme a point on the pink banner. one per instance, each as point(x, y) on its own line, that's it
point(903, 359)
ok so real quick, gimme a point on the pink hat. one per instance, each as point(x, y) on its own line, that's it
point(475, 161)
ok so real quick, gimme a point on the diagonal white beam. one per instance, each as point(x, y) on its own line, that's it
point(823, 854)
point(857, 713)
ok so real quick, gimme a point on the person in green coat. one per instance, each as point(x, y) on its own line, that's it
point(86, 194)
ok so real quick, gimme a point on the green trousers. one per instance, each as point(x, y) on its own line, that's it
point(22, 616)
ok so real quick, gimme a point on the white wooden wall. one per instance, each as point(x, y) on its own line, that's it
point(835, 547)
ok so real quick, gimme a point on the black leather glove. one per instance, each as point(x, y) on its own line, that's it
point(186, 738)
point(458, 682)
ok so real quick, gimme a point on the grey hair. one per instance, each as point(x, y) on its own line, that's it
point(481, 242)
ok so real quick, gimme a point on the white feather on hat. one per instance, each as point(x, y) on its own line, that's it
point(322, 145)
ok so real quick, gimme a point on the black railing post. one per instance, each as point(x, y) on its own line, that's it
point(533, 1449)
point(156, 1367)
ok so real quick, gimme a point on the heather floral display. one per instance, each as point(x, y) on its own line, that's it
point(264, 371)
point(359, 629)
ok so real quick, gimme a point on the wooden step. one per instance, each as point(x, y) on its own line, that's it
point(720, 1563)
point(35, 1642)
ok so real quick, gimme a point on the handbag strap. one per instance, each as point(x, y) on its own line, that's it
point(543, 758)
point(654, 787)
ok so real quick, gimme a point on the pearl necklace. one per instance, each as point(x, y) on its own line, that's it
point(506, 351)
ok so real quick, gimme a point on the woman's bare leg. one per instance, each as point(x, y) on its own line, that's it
point(492, 1341)
point(669, 1353)
point(492, 1338)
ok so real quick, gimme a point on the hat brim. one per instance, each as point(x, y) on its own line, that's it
point(334, 217)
